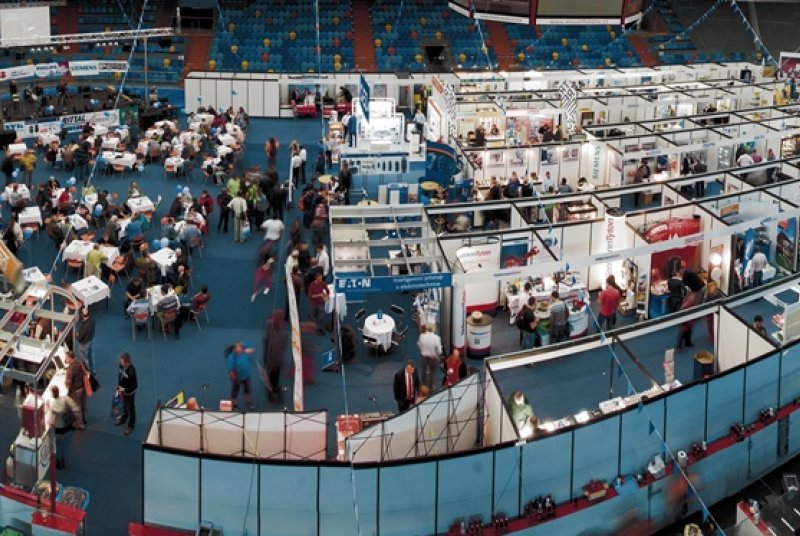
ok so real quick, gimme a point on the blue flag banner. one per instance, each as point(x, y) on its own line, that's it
point(640, 407)
point(619, 370)
point(363, 97)
point(651, 428)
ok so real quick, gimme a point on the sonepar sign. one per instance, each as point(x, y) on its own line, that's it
point(363, 284)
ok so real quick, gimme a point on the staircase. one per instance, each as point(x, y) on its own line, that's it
point(197, 47)
point(641, 44)
point(66, 22)
point(363, 45)
point(503, 50)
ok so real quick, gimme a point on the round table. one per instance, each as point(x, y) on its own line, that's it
point(325, 179)
point(368, 203)
point(380, 329)
point(429, 186)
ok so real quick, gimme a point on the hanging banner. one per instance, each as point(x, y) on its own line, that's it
point(297, 352)
point(569, 103)
point(31, 128)
point(363, 96)
point(52, 70)
point(84, 68)
point(21, 71)
point(396, 283)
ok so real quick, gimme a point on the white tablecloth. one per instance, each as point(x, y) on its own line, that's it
point(337, 299)
point(99, 130)
point(21, 190)
point(164, 257)
point(17, 148)
point(155, 296)
point(91, 290)
point(204, 118)
point(222, 150)
point(143, 146)
point(78, 249)
point(123, 227)
point(380, 330)
point(78, 222)
point(47, 139)
point(30, 215)
point(123, 159)
point(89, 201)
point(226, 139)
point(140, 204)
point(177, 162)
point(110, 143)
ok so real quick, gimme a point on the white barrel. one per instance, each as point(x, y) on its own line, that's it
point(479, 335)
point(683, 458)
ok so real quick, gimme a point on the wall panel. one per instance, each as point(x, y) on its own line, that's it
point(407, 500)
point(595, 454)
point(685, 417)
point(761, 380)
point(285, 492)
point(639, 444)
point(725, 404)
point(465, 489)
point(339, 488)
point(172, 484)
point(545, 468)
point(229, 495)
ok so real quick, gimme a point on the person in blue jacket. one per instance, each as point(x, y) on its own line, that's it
point(238, 365)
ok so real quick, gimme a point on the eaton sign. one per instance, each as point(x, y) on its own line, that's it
point(360, 284)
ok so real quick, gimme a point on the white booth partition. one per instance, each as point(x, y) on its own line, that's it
point(443, 423)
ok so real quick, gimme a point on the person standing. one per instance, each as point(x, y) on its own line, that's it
point(419, 123)
point(304, 160)
point(61, 415)
point(454, 369)
point(318, 294)
point(80, 157)
point(223, 200)
point(758, 263)
point(238, 207)
point(758, 326)
point(75, 389)
point(345, 181)
point(297, 166)
point(677, 291)
point(609, 300)
point(430, 348)
point(85, 336)
point(323, 261)
point(127, 384)
point(352, 131)
point(406, 386)
point(528, 324)
point(559, 314)
point(238, 366)
point(271, 149)
point(27, 163)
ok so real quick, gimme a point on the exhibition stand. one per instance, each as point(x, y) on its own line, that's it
point(39, 363)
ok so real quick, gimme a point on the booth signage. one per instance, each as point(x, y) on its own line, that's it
point(393, 283)
point(30, 128)
point(363, 97)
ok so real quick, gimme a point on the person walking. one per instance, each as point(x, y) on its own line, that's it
point(238, 366)
point(75, 388)
point(223, 200)
point(559, 315)
point(430, 348)
point(345, 181)
point(85, 336)
point(271, 149)
point(274, 345)
point(61, 415)
point(127, 384)
point(27, 163)
point(263, 277)
point(527, 323)
point(238, 207)
point(454, 369)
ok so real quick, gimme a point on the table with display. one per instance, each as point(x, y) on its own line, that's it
point(380, 329)
point(91, 290)
point(78, 249)
point(34, 276)
point(140, 204)
point(30, 215)
point(173, 162)
point(110, 143)
point(120, 159)
point(22, 191)
point(17, 149)
point(78, 222)
point(164, 258)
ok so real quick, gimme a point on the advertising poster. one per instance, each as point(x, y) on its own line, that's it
point(786, 243)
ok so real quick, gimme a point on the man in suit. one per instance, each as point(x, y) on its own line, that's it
point(406, 386)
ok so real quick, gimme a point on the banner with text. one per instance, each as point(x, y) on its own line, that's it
point(297, 352)
point(31, 128)
point(363, 96)
point(411, 282)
